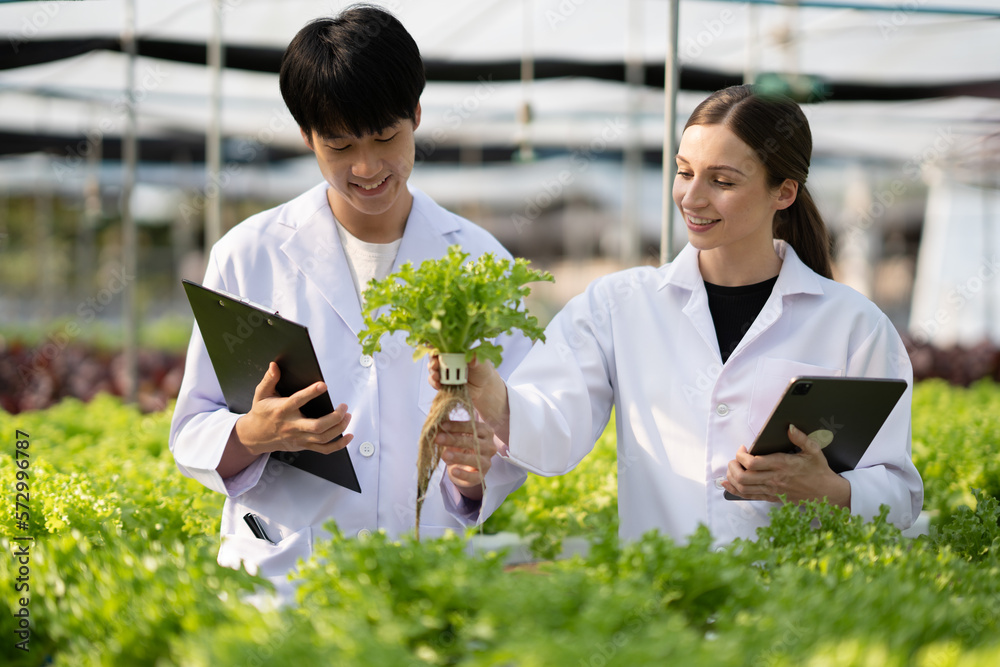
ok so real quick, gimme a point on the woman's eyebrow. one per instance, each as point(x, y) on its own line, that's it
point(725, 167)
point(715, 167)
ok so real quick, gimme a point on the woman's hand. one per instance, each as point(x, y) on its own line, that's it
point(479, 376)
point(467, 458)
point(487, 391)
point(805, 475)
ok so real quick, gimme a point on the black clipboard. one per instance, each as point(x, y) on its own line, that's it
point(242, 339)
point(843, 413)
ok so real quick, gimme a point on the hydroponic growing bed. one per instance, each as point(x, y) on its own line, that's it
point(121, 568)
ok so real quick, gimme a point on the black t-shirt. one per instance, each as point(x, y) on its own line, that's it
point(734, 309)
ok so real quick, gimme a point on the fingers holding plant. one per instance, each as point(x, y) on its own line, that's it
point(479, 375)
point(467, 451)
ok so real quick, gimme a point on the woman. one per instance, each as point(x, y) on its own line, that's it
point(694, 355)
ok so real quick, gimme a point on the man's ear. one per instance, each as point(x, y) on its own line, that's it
point(416, 117)
point(307, 139)
point(787, 192)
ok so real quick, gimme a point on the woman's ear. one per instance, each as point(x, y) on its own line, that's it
point(787, 192)
point(416, 117)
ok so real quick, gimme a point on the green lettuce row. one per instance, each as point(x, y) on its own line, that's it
point(103, 461)
point(104, 464)
point(123, 571)
point(115, 598)
point(956, 437)
point(547, 509)
point(818, 587)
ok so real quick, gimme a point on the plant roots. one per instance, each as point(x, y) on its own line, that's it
point(448, 398)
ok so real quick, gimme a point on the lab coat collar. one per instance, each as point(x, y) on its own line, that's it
point(793, 278)
point(427, 231)
point(315, 247)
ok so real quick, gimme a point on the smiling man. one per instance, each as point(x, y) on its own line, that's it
point(353, 85)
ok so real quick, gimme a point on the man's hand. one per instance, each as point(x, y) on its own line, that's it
point(275, 423)
point(805, 475)
point(466, 465)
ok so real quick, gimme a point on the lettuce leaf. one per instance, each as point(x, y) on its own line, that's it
point(449, 305)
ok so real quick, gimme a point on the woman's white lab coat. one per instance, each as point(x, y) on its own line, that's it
point(290, 258)
point(643, 341)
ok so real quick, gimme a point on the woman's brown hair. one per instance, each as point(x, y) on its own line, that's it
point(777, 131)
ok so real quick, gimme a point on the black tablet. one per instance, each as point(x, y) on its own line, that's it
point(843, 414)
point(242, 339)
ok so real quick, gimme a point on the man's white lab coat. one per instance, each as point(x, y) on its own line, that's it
point(290, 258)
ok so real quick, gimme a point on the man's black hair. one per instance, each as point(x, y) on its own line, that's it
point(355, 74)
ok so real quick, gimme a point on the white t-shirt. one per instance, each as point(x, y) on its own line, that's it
point(367, 260)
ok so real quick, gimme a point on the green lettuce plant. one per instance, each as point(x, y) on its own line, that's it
point(450, 306)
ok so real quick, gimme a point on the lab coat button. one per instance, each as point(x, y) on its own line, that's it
point(366, 360)
point(722, 410)
point(366, 449)
point(364, 532)
point(719, 481)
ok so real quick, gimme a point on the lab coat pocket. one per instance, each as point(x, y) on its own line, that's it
point(771, 380)
point(263, 558)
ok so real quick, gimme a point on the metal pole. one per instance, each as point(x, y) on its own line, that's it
point(4, 215)
point(213, 138)
point(790, 45)
point(526, 153)
point(750, 63)
point(130, 244)
point(634, 77)
point(671, 81)
point(45, 230)
point(86, 263)
point(989, 243)
point(911, 7)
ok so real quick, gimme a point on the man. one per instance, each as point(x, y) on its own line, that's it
point(353, 85)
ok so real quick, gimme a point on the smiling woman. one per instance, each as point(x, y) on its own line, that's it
point(747, 305)
point(728, 206)
point(757, 148)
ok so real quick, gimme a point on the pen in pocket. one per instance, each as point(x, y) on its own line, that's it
point(256, 528)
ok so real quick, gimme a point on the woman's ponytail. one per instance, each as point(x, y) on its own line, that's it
point(802, 227)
